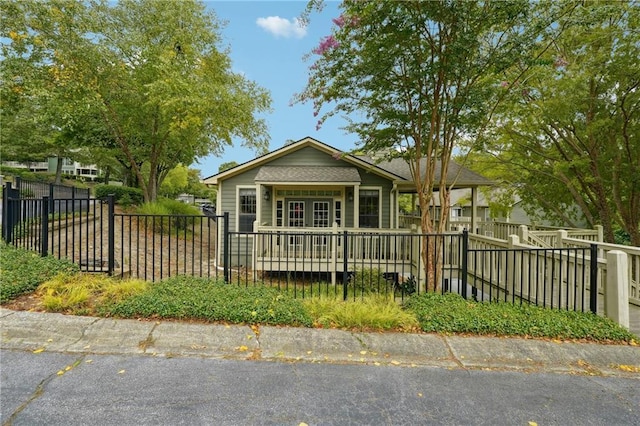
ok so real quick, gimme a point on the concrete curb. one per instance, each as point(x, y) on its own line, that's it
point(35, 331)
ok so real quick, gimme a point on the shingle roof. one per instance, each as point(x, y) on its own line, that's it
point(307, 174)
point(400, 167)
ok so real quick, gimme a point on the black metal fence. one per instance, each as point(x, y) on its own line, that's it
point(37, 190)
point(100, 237)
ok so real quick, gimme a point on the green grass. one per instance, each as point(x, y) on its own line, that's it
point(21, 271)
point(201, 299)
point(373, 312)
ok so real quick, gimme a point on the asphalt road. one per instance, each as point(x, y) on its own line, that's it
point(87, 389)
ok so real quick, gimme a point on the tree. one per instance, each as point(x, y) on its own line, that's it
point(152, 72)
point(175, 182)
point(34, 117)
point(227, 165)
point(573, 127)
point(414, 78)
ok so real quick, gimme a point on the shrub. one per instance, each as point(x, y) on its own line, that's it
point(167, 214)
point(178, 207)
point(130, 195)
point(21, 271)
point(369, 280)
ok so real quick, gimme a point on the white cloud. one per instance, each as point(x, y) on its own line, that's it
point(282, 27)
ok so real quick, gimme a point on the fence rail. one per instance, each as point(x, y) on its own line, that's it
point(37, 190)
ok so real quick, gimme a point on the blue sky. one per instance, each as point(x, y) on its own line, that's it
point(268, 48)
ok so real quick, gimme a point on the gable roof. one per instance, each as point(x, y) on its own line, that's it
point(295, 146)
point(396, 170)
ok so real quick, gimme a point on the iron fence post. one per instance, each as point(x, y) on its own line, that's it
point(44, 228)
point(593, 278)
point(111, 249)
point(51, 197)
point(226, 245)
point(464, 259)
point(345, 265)
point(5, 212)
point(10, 212)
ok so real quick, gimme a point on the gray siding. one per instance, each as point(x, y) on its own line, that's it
point(307, 156)
point(228, 197)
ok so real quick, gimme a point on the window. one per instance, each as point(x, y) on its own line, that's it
point(369, 208)
point(338, 212)
point(296, 214)
point(320, 214)
point(279, 214)
point(246, 209)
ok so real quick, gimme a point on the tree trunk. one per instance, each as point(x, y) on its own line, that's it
point(59, 161)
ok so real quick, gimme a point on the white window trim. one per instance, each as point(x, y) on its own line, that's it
point(237, 203)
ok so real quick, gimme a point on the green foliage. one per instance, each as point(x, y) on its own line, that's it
point(374, 312)
point(405, 202)
point(407, 286)
point(175, 182)
point(192, 298)
point(145, 82)
point(197, 188)
point(416, 78)
point(622, 237)
point(22, 271)
point(571, 130)
point(450, 313)
point(168, 214)
point(25, 174)
point(227, 165)
point(369, 280)
point(123, 195)
point(203, 299)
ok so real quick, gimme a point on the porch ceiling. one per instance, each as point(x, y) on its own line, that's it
point(308, 174)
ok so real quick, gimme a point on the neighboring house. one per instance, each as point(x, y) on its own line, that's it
point(74, 168)
point(461, 208)
point(520, 215)
point(69, 167)
point(307, 186)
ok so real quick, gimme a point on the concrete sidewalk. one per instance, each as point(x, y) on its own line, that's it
point(33, 331)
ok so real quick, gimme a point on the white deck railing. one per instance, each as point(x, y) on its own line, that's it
point(327, 243)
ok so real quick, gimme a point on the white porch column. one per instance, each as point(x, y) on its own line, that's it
point(356, 206)
point(259, 189)
point(474, 210)
point(394, 207)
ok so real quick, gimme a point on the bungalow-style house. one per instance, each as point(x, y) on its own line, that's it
point(311, 187)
